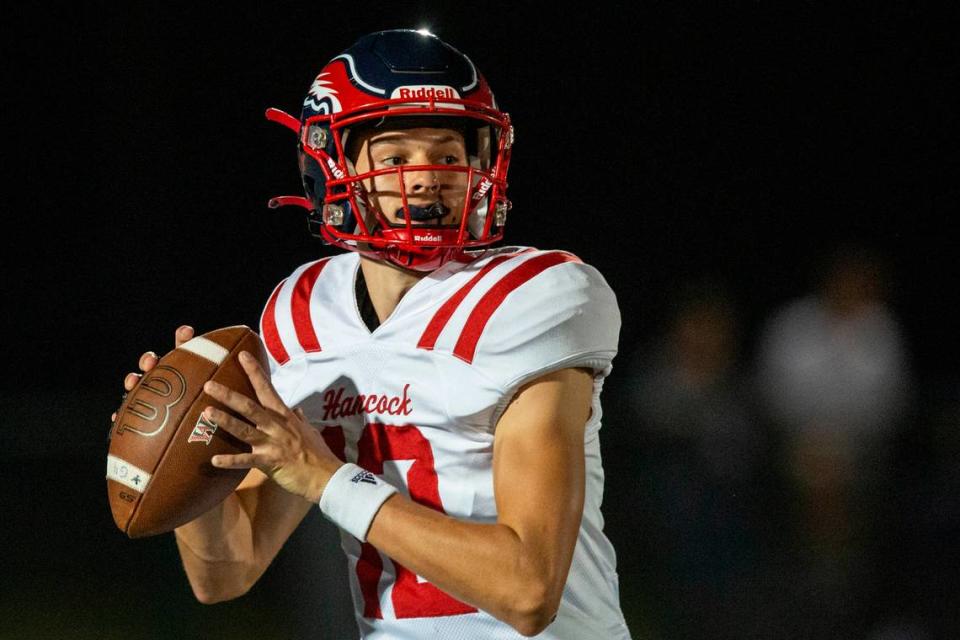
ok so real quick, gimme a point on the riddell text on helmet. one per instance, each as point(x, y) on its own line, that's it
point(427, 92)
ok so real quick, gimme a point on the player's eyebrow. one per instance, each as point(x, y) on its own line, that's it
point(399, 137)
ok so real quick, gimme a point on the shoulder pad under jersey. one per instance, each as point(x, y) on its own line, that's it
point(527, 312)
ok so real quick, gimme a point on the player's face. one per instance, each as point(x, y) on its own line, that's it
point(423, 188)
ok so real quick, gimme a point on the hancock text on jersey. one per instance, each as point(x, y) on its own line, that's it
point(337, 405)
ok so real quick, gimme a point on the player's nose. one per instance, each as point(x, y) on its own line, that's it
point(420, 182)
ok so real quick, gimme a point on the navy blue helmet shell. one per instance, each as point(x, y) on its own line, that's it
point(381, 63)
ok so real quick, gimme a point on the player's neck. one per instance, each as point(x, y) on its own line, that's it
point(387, 284)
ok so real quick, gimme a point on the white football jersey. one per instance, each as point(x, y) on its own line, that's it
point(417, 402)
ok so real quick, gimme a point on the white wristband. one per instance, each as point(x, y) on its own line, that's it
point(352, 498)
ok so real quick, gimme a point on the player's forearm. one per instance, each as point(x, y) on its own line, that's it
point(217, 552)
point(489, 566)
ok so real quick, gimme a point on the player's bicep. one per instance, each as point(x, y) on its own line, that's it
point(538, 463)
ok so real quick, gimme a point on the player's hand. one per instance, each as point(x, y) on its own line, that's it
point(284, 445)
point(149, 360)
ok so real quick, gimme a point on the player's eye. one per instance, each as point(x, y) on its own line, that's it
point(451, 160)
point(392, 161)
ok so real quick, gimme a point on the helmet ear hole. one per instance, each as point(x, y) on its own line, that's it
point(314, 182)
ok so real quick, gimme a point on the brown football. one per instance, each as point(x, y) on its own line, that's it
point(159, 474)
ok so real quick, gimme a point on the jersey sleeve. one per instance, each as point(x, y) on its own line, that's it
point(553, 312)
point(277, 355)
point(288, 328)
point(268, 330)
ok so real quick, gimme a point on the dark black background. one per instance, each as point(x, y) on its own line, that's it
point(658, 141)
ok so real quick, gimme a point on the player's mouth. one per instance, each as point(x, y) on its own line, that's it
point(433, 211)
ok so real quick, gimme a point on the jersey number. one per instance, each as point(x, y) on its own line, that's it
point(378, 444)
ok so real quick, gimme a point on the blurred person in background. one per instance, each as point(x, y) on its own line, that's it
point(833, 371)
point(701, 478)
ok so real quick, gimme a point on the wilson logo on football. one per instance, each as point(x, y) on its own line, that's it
point(149, 408)
point(203, 431)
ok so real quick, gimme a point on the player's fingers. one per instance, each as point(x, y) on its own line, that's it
point(182, 334)
point(148, 361)
point(236, 461)
point(234, 426)
point(267, 395)
point(240, 403)
point(131, 380)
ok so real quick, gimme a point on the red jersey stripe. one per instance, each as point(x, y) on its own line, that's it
point(300, 307)
point(268, 327)
point(429, 338)
point(467, 343)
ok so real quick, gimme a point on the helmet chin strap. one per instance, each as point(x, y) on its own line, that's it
point(419, 214)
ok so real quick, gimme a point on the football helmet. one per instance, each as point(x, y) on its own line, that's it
point(397, 80)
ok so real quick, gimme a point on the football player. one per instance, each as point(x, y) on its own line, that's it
point(439, 399)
